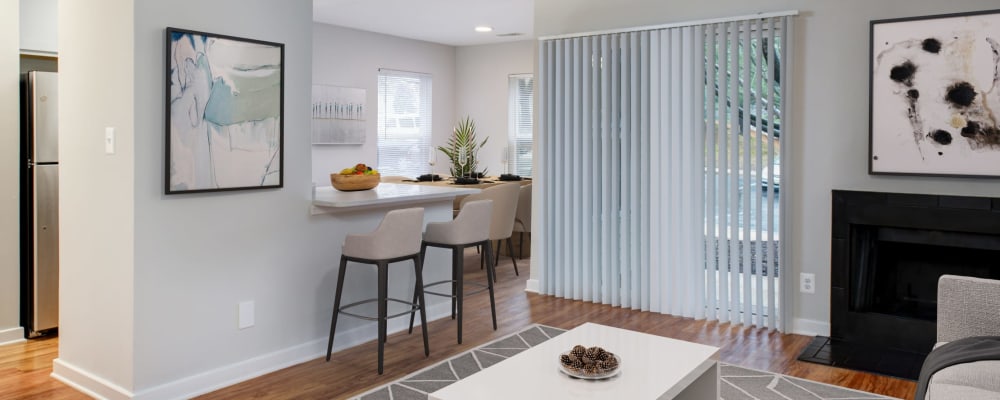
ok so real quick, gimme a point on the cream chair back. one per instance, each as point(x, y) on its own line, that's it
point(522, 217)
point(504, 198)
point(470, 226)
point(398, 235)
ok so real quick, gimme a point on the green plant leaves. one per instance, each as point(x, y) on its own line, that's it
point(464, 136)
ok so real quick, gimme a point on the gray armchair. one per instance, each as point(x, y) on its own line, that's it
point(967, 307)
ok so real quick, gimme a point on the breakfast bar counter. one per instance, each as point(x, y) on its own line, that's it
point(326, 199)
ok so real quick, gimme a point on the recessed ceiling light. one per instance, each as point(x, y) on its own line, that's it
point(483, 28)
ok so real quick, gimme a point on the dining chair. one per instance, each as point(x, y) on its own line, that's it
point(397, 238)
point(504, 198)
point(522, 217)
point(468, 229)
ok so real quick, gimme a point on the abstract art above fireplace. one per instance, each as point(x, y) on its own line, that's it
point(935, 95)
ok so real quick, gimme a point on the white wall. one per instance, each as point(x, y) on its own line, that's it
point(351, 58)
point(10, 327)
point(482, 92)
point(829, 133)
point(39, 26)
point(96, 202)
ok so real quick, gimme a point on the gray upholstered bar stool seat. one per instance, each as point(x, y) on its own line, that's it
point(397, 238)
point(470, 228)
point(504, 198)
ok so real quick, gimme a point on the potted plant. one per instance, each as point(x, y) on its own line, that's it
point(462, 149)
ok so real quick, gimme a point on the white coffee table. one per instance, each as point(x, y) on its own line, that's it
point(653, 367)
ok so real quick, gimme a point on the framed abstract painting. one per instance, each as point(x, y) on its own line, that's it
point(224, 112)
point(935, 95)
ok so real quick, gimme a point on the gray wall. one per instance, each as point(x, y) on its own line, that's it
point(198, 256)
point(829, 133)
point(349, 57)
point(39, 32)
point(9, 141)
point(482, 92)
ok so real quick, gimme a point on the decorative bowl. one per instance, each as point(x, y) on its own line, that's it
point(589, 363)
point(350, 183)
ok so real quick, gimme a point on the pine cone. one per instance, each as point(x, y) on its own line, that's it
point(578, 351)
point(596, 353)
point(567, 359)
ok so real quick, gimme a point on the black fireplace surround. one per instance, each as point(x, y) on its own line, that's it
point(887, 252)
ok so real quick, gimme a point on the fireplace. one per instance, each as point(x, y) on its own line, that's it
point(887, 252)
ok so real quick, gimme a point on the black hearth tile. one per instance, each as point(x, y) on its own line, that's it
point(911, 200)
point(965, 202)
point(863, 198)
point(996, 205)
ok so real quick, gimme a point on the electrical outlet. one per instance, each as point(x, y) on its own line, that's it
point(807, 283)
point(246, 314)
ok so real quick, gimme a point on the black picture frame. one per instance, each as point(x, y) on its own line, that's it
point(929, 95)
point(224, 113)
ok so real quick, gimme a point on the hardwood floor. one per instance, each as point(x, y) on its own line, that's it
point(24, 368)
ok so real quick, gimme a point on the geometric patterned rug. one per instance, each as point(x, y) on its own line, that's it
point(736, 383)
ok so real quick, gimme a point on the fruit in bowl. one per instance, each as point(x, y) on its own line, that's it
point(358, 177)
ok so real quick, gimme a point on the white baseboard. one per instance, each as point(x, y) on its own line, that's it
point(532, 286)
point(810, 327)
point(228, 375)
point(85, 382)
point(12, 335)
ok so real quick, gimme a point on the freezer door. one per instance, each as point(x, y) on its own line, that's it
point(44, 113)
point(46, 266)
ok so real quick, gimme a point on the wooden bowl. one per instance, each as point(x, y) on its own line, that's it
point(350, 183)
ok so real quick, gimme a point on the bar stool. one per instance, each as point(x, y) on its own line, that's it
point(522, 216)
point(397, 238)
point(504, 198)
point(470, 228)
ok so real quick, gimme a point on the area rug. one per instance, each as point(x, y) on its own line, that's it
point(736, 383)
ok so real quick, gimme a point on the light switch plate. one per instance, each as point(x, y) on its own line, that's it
point(109, 140)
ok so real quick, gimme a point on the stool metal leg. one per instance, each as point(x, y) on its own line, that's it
point(417, 286)
point(497, 254)
point(490, 277)
point(456, 271)
point(458, 292)
point(418, 264)
point(383, 289)
point(510, 249)
point(336, 305)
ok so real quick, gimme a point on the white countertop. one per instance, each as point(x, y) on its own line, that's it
point(652, 367)
point(328, 199)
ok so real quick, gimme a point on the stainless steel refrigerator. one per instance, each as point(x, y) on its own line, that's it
point(40, 203)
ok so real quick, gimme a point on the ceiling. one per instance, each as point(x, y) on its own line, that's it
point(449, 22)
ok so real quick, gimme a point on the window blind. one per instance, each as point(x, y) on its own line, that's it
point(659, 183)
point(404, 122)
point(520, 123)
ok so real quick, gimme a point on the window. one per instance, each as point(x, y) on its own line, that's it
point(520, 124)
point(404, 123)
point(666, 142)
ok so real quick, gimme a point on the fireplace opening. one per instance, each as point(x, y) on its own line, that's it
point(897, 270)
point(887, 252)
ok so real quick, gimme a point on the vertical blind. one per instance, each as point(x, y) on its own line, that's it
point(520, 109)
point(660, 168)
point(404, 122)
